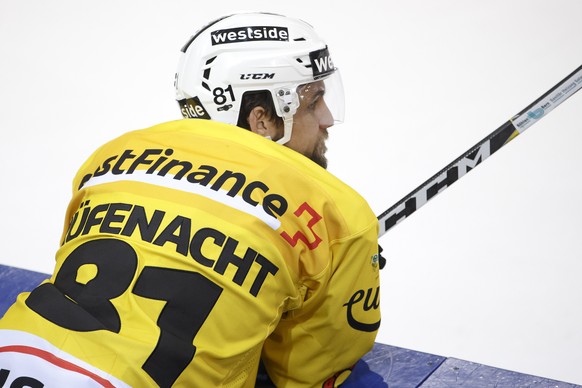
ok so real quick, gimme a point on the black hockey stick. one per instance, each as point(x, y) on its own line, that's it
point(481, 151)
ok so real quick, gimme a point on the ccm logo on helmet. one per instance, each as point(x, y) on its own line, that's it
point(249, 34)
point(257, 76)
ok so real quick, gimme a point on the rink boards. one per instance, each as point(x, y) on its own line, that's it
point(383, 366)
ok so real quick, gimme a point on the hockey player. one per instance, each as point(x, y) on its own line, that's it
point(198, 247)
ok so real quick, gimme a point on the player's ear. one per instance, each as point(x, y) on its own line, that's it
point(260, 123)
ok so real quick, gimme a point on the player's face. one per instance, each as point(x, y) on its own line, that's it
point(310, 123)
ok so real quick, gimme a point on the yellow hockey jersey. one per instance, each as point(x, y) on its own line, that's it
point(192, 249)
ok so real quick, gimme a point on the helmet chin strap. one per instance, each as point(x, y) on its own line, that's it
point(287, 130)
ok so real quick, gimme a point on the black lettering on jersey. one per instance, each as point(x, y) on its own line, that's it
point(157, 162)
point(19, 382)
point(357, 301)
point(138, 219)
point(177, 232)
point(228, 257)
point(159, 229)
point(85, 306)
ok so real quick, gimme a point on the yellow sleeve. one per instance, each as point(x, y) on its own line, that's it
point(338, 321)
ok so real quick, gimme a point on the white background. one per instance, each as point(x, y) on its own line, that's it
point(489, 271)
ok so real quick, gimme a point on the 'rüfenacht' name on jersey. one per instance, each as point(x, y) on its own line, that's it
point(127, 219)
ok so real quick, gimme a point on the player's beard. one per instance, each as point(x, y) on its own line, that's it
point(318, 154)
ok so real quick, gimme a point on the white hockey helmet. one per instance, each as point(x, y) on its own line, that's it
point(254, 52)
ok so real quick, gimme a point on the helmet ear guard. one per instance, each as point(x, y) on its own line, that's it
point(250, 52)
point(286, 104)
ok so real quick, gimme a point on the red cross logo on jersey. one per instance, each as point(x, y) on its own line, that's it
point(315, 218)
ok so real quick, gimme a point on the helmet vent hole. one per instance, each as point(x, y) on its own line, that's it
point(305, 62)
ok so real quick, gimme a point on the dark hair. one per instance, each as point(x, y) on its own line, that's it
point(251, 100)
